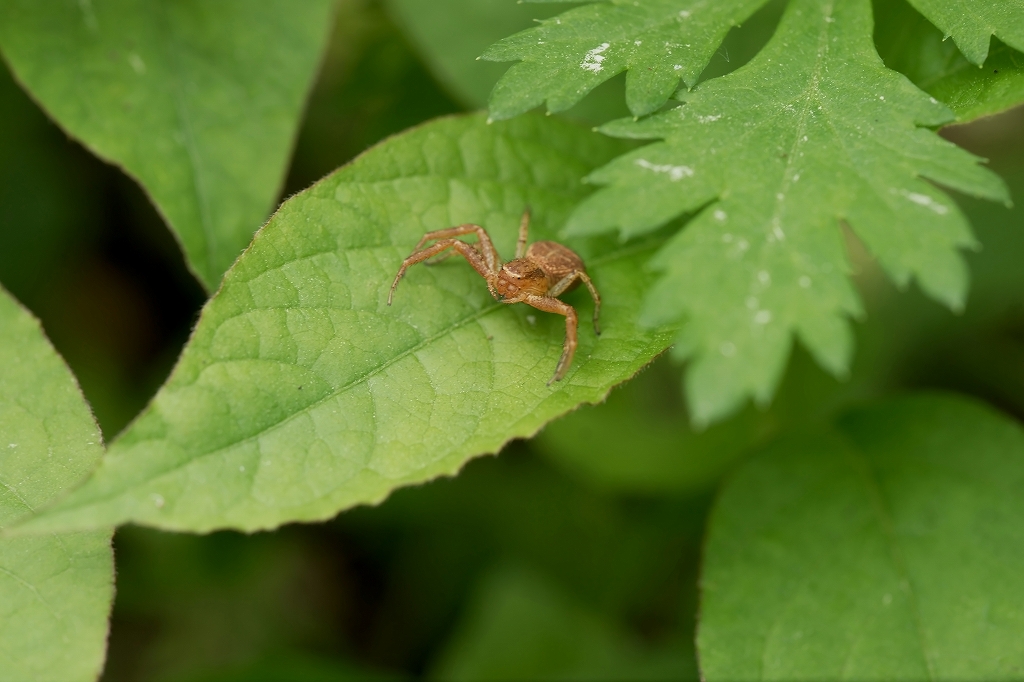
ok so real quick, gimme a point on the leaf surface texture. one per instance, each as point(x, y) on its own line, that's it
point(301, 393)
point(659, 43)
point(813, 134)
point(55, 589)
point(887, 548)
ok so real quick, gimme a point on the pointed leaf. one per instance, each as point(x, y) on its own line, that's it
point(198, 101)
point(971, 26)
point(55, 590)
point(812, 133)
point(302, 393)
point(657, 42)
point(910, 44)
point(887, 550)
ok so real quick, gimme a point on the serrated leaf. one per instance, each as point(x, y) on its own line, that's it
point(888, 549)
point(198, 101)
point(659, 43)
point(972, 25)
point(55, 590)
point(812, 133)
point(910, 44)
point(302, 393)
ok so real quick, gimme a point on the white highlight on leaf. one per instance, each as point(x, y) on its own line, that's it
point(777, 230)
point(709, 119)
point(728, 349)
point(727, 237)
point(764, 277)
point(135, 61)
point(763, 317)
point(675, 173)
point(638, 43)
point(753, 302)
point(677, 67)
point(927, 202)
point(685, 14)
point(720, 216)
point(158, 500)
point(805, 281)
point(592, 60)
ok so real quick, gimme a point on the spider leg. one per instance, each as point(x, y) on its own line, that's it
point(486, 246)
point(559, 288)
point(440, 258)
point(464, 249)
point(553, 305)
point(524, 229)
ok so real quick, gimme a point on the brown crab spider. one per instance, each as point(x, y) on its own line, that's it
point(537, 276)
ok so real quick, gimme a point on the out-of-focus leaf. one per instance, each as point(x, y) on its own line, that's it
point(887, 549)
point(55, 590)
point(227, 606)
point(452, 34)
point(198, 101)
point(972, 25)
point(302, 393)
point(909, 43)
point(519, 627)
point(47, 203)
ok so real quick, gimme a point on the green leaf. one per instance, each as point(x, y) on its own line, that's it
point(302, 393)
point(55, 590)
point(972, 25)
point(520, 627)
point(657, 42)
point(887, 549)
point(812, 133)
point(198, 101)
point(910, 44)
point(451, 34)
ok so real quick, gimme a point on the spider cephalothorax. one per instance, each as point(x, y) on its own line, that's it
point(537, 275)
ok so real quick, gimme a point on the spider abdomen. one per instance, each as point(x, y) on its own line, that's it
point(556, 260)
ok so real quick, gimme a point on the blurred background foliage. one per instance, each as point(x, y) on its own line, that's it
point(572, 553)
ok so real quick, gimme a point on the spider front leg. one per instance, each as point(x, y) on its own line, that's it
point(485, 245)
point(524, 231)
point(553, 305)
point(563, 284)
point(468, 251)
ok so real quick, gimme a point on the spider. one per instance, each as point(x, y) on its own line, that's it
point(536, 277)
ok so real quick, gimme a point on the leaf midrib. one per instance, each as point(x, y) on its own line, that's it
point(609, 258)
point(872, 484)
